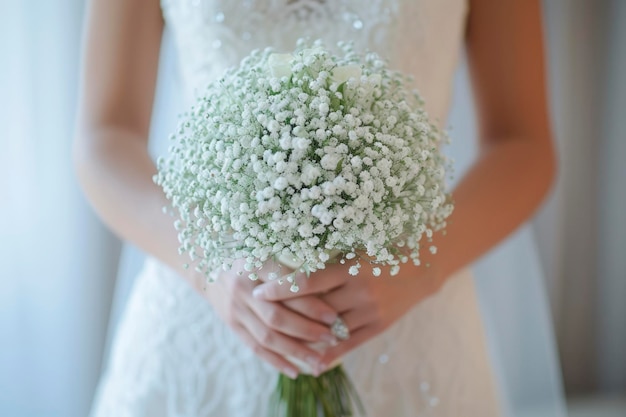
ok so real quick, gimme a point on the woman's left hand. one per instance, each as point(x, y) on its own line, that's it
point(367, 304)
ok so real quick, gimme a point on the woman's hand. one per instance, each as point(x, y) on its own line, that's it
point(274, 330)
point(367, 304)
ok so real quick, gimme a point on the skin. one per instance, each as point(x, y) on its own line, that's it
point(120, 60)
point(511, 176)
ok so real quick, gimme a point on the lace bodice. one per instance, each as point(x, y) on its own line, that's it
point(419, 37)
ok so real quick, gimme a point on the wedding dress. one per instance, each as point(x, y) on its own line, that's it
point(172, 356)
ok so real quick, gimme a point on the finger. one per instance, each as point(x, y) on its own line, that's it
point(358, 318)
point(270, 357)
point(279, 343)
point(281, 319)
point(313, 307)
point(356, 339)
point(319, 283)
point(344, 298)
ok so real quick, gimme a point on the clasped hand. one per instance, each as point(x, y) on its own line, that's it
point(279, 324)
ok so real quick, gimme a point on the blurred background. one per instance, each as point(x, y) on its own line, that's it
point(59, 268)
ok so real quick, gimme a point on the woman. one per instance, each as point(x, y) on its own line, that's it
point(417, 343)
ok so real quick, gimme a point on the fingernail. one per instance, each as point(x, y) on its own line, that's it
point(329, 318)
point(258, 292)
point(290, 372)
point(312, 361)
point(321, 368)
point(329, 338)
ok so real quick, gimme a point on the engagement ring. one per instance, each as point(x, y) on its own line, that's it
point(340, 330)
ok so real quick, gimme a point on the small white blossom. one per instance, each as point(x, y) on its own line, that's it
point(281, 183)
point(306, 153)
point(305, 230)
point(330, 161)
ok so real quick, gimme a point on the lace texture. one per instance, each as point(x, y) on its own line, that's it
point(173, 356)
point(420, 37)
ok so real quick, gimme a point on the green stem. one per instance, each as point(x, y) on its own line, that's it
point(331, 394)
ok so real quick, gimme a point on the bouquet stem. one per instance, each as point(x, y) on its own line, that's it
point(331, 394)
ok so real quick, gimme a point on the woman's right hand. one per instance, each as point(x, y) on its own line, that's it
point(273, 330)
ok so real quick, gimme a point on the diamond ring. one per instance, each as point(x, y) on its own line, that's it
point(340, 330)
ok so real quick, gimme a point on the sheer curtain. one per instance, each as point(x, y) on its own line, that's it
point(57, 263)
point(612, 212)
point(583, 230)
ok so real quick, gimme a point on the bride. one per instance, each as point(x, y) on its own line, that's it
point(417, 345)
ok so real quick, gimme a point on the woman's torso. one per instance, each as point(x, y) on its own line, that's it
point(419, 37)
point(173, 356)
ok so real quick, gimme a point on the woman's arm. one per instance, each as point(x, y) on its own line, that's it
point(119, 69)
point(516, 163)
point(111, 155)
point(513, 173)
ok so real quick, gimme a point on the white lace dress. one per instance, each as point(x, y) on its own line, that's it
point(172, 356)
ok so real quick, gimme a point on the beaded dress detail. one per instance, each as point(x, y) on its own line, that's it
point(172, 355)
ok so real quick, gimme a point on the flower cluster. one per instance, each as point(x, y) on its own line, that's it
point(302, 156)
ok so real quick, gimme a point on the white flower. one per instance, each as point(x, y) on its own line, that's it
point(329, 188)
point(301, 143)
point(281, 183)
point(326, 218)
point(300, 131)
point(273, 126)
point(375, 80)
point(315, 192)
point(330, 161)
point(305, 230)
point(344, 73)
point(267, 193)
point(262, 167)
point(280, 65)
point(311, 52)
point(339, 223)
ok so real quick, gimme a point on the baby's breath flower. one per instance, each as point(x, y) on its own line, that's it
point(305, 154)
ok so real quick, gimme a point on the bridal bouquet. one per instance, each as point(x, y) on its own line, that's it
point(307, 158)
